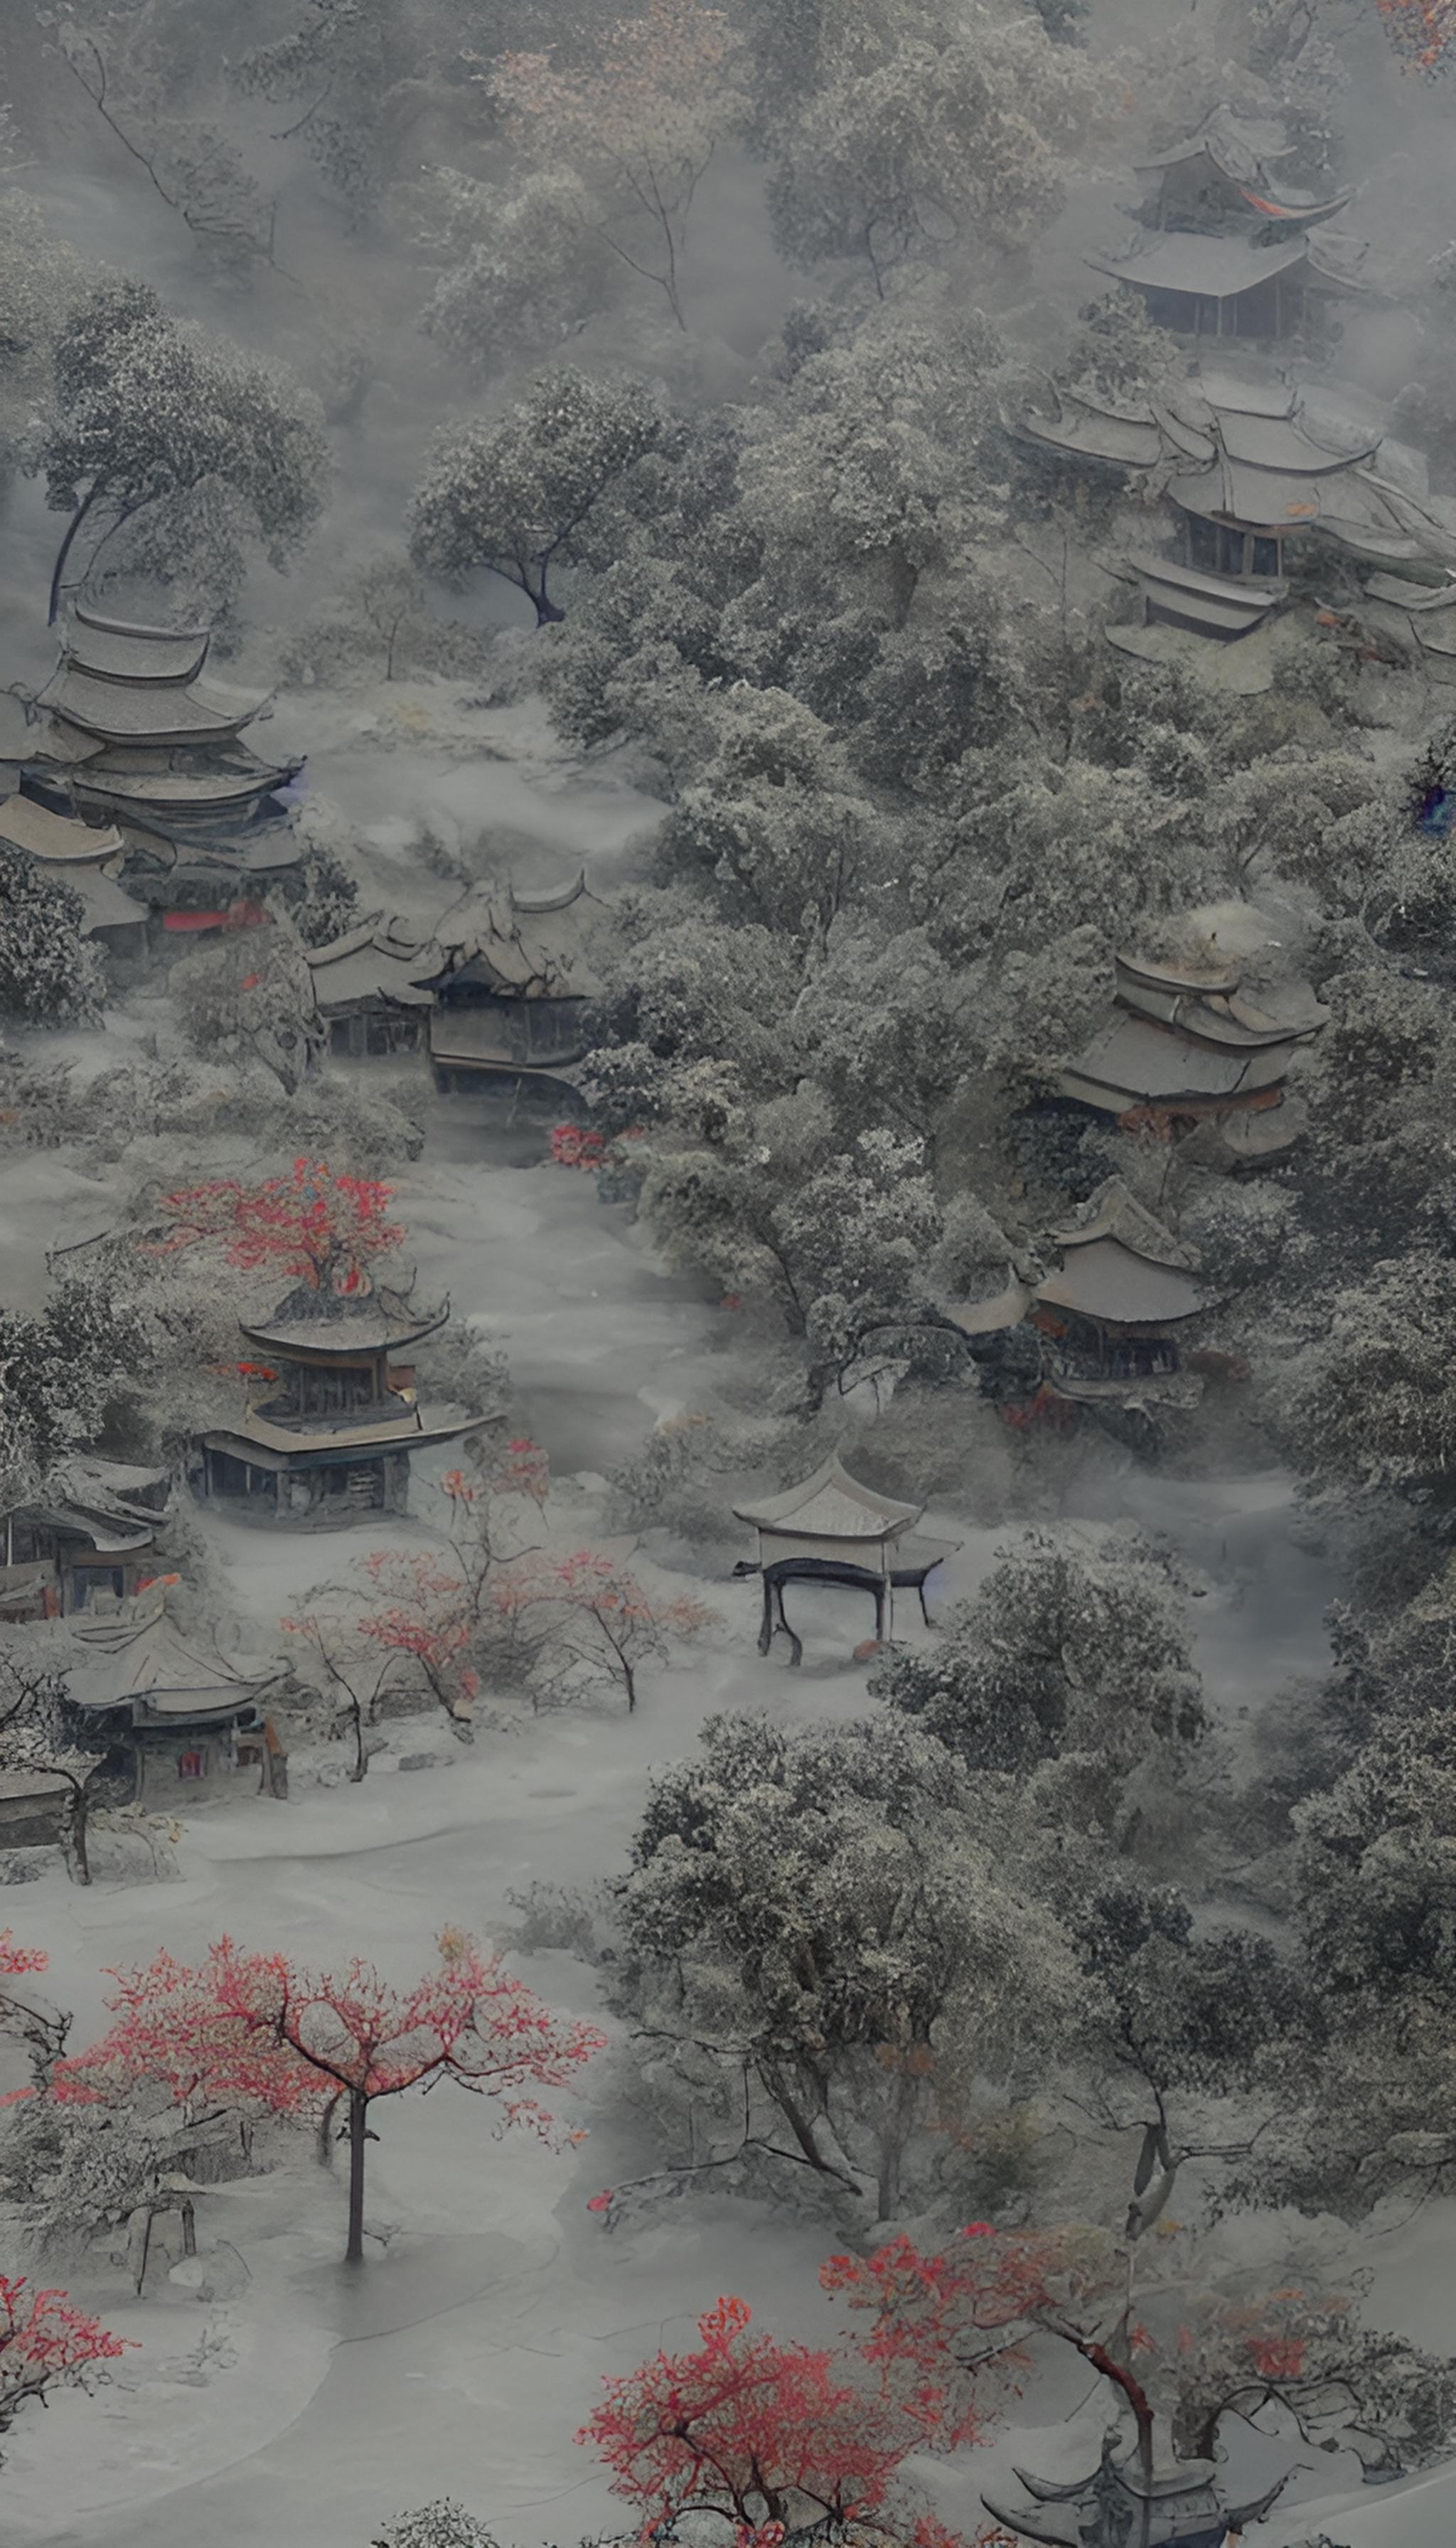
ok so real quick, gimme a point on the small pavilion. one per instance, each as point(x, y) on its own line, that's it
point(333, 1414)
point(1110, 1316)
point(830, 1529)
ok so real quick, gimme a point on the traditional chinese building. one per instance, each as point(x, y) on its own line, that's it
point(185, 1721)
point(86, 1542)
point(373, 984)
point(512, 1007)
point(496, 994)
point(1112, 1318)
point(333, 1414)
point(1229, 285)
point(1114, 2506)
point(1255, 475)
point(1228, 249)
point(830, 1529)
point(88, 860)
point(135, 731)
point(1182, 1047)
point(1226, 175)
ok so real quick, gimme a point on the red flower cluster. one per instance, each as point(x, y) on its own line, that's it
point(323, 1229)
point(1424, 31)
point(576, 1145)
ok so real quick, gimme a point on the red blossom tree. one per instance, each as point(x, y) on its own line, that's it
point(257, 2032)
point(952, 2331)
point(595, 1621)
point(321, 1228)
point(45, 2343)
point(425, 1616)
point(1424, 31)
point(765, 2435)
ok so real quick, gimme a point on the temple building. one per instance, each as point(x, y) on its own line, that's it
point(830, 1529)
point(1182, 1047)
point(333, 1414)
point(185, 1722)
point(134, 731)
point(1255, 475)
point(1228, 249)
point(1184, 2504)
point(1112, 1318)
point(86, 1541)
point(1224, 175)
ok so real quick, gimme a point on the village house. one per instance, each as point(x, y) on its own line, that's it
point(333, 1414)
point(498, 994)
point(1111, 1318)
point(182, 1720)
point(830, 1529)
point(88, 860)
point(86, 1542)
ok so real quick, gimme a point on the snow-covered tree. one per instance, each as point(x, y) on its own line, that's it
point(812, 1920)
point(640, 123)
point(534, 267)
point(49, 974)
point(1071, 1666)
point(149, 417)
point(252, 994)
point(39, 1732)
point(516, 497)
point(938, 146)
point(441, 2524)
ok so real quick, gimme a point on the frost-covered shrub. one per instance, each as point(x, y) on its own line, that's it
point(442, 2525)
point(49, 974)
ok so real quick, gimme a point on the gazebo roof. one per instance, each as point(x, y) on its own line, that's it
point(831, 1504)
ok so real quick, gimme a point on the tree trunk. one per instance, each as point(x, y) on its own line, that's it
point(361, 1757)
point(358, 2127)
point(58, 569)
point(630, 1678)
point(323, 2143)
point(80, 1815)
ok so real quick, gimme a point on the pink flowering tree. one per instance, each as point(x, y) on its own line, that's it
point(595, 1623)
point(769, 2438)
point(45, 2343)
point(257, 2032)
point(318, 1228)
point(432, 1613)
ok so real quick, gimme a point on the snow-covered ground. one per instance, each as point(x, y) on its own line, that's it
point(303, 2403)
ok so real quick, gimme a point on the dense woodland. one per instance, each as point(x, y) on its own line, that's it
point(431, 386)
